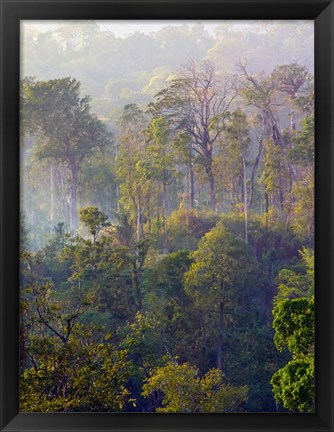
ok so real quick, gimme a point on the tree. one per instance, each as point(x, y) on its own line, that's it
point(94, 219)
point(132, 143)
point(234, 159)
point(187, 227)
point(196, 102)
point(293, 313)
point(132, 250)
point(261, 93)
point(172, 309)
point(157, 163)
point(293, 385)
point(81, 376)
point(65, 366)
point(98, 183)
point(267, 94)
point(68, 132)
point(302, 204)
point(290, 78)
point(298, 283)
point(182, 390)
point(215, 279)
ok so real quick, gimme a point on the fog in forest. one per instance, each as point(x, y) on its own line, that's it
point(167, 216)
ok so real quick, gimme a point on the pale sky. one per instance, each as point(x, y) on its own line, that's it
point(123, 28)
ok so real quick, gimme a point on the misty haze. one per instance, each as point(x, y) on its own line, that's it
point(167, 216)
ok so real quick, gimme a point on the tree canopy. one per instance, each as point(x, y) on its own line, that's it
point(167, 240)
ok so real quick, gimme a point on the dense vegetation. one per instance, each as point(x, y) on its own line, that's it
point(167, 253)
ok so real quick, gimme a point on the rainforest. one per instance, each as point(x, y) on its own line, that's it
point(167, 217)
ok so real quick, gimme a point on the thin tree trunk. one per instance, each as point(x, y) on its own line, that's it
point(158, 226)
point(245, 200)
point(149, 215)
point(138, 219)
point(51, 194)
point(211, 178)
point(292, 114)
point(292, 121)
point(266, 198)
point(117, 197)
point(281, 199)
point(164, 217)
point(220, 336)
point(255, 166)
point(187, 195)
point(192, 185)
point(136, 263)
point(73, 199)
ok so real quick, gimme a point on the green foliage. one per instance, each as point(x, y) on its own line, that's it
point(75, 377)
point(97, 180)
point(294, 285)
point(187, 226)
point(303, 150)
point(218, 281)
point(294, 325)
point(56, 110)
point(293, 385)
point(184, 391)
point(174, 280)
point(173, 310)
point(290, 78)
point(221, 263)
point(94, 219)
point(234, 152)
point(66, 129)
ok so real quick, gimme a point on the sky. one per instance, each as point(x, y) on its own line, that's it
point(123, 28)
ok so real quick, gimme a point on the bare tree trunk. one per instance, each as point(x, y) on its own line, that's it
point(255, 166)
point(192, 185)
point(138, 219)
point(245, 200)
point(266, 197)
point(209, 173)
point(220, 336)
point(187, 195)
point(73, 199)
point(149, 215)
point(164, 217)
point(281, 199)
point(292, 121)
point(51, 194)
point(292, 114)
point(136, 263)
point(117, 197)
point(158, 226)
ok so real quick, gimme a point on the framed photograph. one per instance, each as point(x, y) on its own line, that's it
point(166, 215)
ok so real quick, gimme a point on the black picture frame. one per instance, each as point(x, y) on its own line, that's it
point(12, 11)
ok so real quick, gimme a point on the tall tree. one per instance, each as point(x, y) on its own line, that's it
point(290, 79)
point(55, 111)
point(196, 101)
point(215, 279)
point(184, 391)
point(158, 163)
point(267, 94)
point(293, 322)
point(233, 160)
point(94, 219)
point(259, 92)
point(132, 142)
